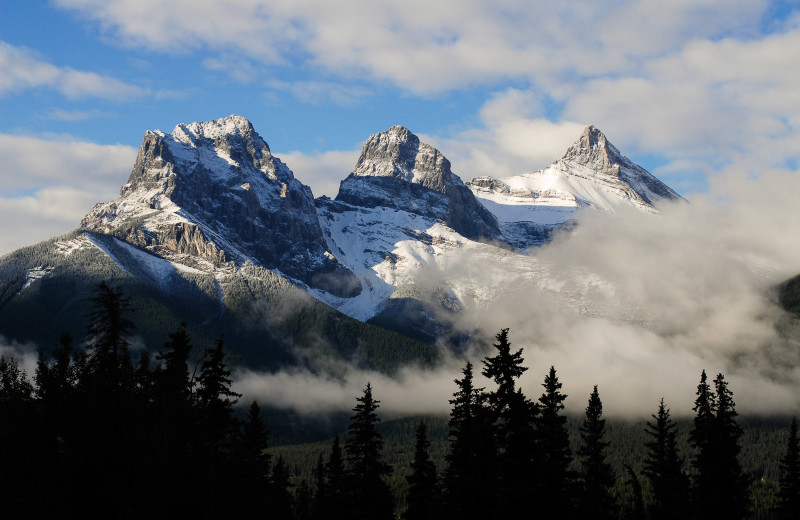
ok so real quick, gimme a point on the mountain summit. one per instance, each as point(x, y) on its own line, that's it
point(210, 194)
point(399, 153)
point(396, 170)
point(591, 174)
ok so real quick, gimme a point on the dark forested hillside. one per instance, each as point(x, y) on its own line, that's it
point(266, 321)
point(108, 434)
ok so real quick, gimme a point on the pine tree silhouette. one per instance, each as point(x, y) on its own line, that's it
point(423, 492)
point(518, 451)
point(371, 497)
point(789, 495)
point(558, 482)
point(663, 467)
point(470, 474)
point(597, 476)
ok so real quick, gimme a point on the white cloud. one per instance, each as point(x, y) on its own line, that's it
point(322, 172)
point(321, 92)
point(21, 69)
point(50, 184)
point(427, 47)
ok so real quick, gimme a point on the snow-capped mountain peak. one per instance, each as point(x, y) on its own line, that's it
point(592, 149)
point(213, 192)
point(398, 153)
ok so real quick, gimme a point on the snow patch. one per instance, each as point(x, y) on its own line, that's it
point(37, 273)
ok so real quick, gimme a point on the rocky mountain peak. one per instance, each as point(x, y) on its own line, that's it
point(593, 150)
point(213, 190)
point(399, 153)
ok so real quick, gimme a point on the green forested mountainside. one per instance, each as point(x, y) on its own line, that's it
point(266, 321)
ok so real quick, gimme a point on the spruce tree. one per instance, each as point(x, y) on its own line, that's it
point(370, 494)
point(702, 439)
point(216, 399)
point(470, 473)
point(789, 494)
point(733, 483)
point(216, 431)
point(423, 496)
point(254, 465)
point(663, 467)
point(556, 454)
point(281, 501)
point(516, 440)
point(175, 424)
point(107, 340)
point(719, 486)
point(597, 476)
point(335, 503)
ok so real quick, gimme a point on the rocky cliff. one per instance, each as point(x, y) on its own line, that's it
point(212, 193)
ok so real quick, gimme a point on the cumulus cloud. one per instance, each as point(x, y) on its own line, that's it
point(52, 182)
point(450, 45)
point(323, 171)
point(321, 92)
point(636, 303)
point(692, 82)
point(22, 69)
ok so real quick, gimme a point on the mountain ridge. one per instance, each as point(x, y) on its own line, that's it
point(208, 203)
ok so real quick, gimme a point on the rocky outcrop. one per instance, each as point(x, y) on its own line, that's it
point(396, 170)
point(592, 150)
point(215, 190)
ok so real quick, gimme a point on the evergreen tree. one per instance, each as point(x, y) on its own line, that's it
point(663, 467)
point(335, 502)
point(175, 424)
point(20, 449)
point(216, 399)
point(516, 440)
point(789, 495)
point(103, 457)
point(598, 478)
point(371, 497)
point(281, 501)
point(719, 486)
point(702, 439)
point(635, 509)
point(216, 431)
point(107, 341)
point(423, 486)
point(557, 479)
point(320, 501)
point(469, 478)
point(254, 464)
point(733, 483)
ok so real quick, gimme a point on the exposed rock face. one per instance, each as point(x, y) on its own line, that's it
point(591, 174)
point(592, 150)
point(214, 190)
point(396, 170)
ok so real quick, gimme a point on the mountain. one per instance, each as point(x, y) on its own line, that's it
point(214, 230)
point(592, 173)
point(211, 195)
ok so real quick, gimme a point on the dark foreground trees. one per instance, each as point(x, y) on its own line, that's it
point(106, 438)
point(720, 487)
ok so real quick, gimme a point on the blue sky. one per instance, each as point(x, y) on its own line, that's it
point(698, 92)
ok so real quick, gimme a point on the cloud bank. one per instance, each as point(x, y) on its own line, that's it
point(51, 183)
point(638, 304)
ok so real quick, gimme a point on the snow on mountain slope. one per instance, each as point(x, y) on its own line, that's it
point(210, 195)
point(401, 245)
point(592, 173)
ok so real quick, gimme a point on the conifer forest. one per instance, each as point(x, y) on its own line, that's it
point(95, 433)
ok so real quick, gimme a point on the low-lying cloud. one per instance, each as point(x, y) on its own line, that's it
point(636, 303)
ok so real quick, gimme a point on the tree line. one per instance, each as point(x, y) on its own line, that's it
point(97, 435)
